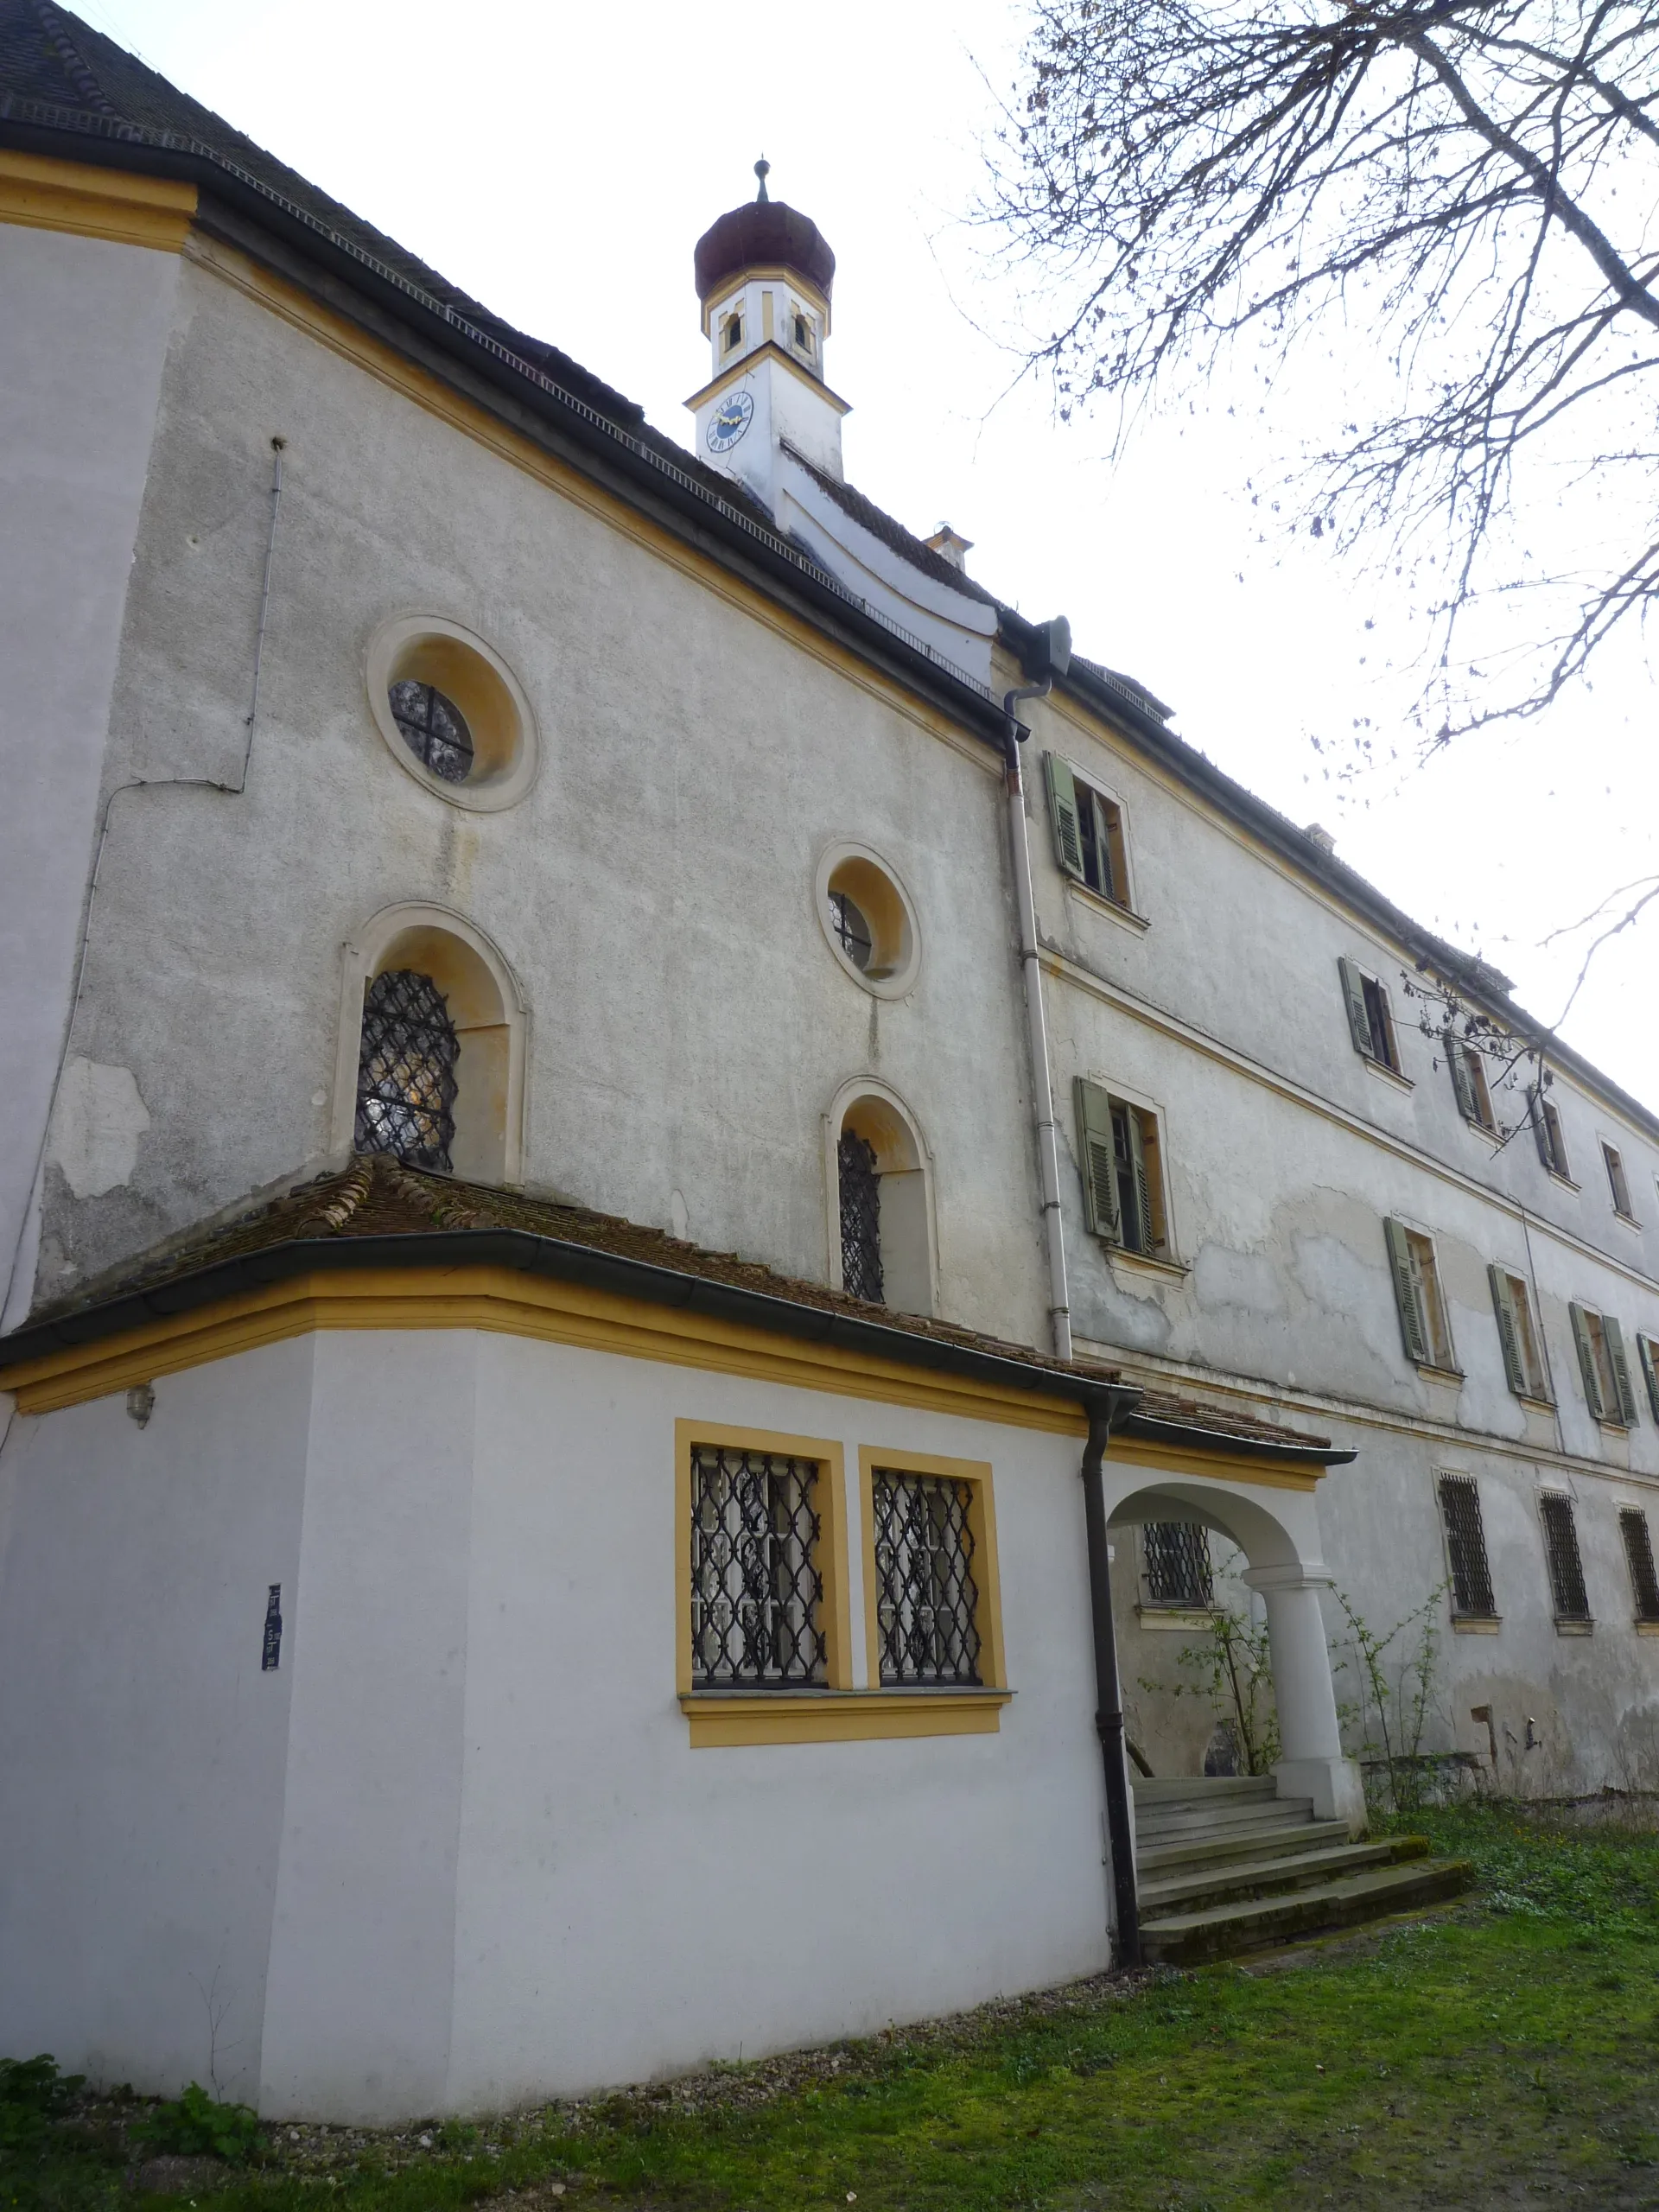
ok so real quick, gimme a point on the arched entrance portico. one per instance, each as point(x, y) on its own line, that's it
point(1275, 1525)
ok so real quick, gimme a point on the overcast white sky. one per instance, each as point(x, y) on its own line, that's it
point(559, 162)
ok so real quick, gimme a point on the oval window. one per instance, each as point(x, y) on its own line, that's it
point(867, 915)
point(452, 712)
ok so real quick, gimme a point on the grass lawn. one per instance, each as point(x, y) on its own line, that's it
point(1502, 2052)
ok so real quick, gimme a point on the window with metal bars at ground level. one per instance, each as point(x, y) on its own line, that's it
point(1177, 1555)
point(926, 1597)
point(1638, 1554)
point(406, 1070)
point(1121, 1153)
point(1465, 1548)
point(1562, 1554)
point(862, 1273)
point(1603, 1368)
point(757, 1589)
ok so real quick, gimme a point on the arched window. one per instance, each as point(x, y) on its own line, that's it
point(433, 1045)
point(881, 1236)
point(406, 1070)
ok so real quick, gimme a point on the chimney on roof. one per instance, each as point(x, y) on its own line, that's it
point(1321, 836)
point(951, 547)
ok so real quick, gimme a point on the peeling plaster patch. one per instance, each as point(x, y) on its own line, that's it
point(1247, 1279)
point(96, 1126)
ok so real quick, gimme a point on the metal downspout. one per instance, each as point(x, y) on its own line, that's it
point(1104, 1413)
point(1042, 1093)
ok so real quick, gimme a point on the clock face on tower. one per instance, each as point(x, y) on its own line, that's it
point(729, 421)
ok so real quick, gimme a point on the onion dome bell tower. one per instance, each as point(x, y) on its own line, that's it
point(765, 275)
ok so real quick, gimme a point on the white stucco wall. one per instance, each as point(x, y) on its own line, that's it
point(83, 338)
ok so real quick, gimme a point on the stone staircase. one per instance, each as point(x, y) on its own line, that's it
point(1227, 1866)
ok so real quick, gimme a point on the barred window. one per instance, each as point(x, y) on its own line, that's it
point(1561, 1551)
point(1465, 1544)
point(406, 1070)
point(927, 1600)
point(1638, 1551)
point(757, 1591)
point(860, 1218)
point(1178, 1564)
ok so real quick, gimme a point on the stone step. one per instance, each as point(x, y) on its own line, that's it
point(1200, 1788)
point(1219, 1931)
point(1231, 1820)
point(1255, 1877)
point(1193, 1853)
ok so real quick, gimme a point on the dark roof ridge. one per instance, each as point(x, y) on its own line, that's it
point(80, 72)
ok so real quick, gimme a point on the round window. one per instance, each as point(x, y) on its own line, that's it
point(867, 915)
point(452, 712)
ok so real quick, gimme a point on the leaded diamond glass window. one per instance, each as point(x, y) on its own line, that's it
point(406, 1070)
point(1178, 1564)
point(434, 728)
point(860, 1218)
point(927, 1600)
point(756, 1593)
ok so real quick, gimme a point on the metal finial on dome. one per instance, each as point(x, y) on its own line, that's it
point(762, 169)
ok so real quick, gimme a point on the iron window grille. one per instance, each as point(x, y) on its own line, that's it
point(434, 728)
point(1465, 1544)
point(927, 1600)
point(1561, 1553)
point(860, 1218)
point(757, 1592)
point(1178, 1564)
point(852, 930)
point(1638, 1551)
point(406, 1070)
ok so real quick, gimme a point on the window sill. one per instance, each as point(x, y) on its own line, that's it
point(1146, 1263)
point(1493, 1136)
point(1476, 1624)
point(1646, 1628)
point(1566, 1181)
point(1533, 1403)
point(726, 1717)
point(1387, 1074)
point(1098, 903)
point(1629, 1219)
point(1190, 1620)
point(1573, 1627)
point(1451, 1375)
point(1613, 1427)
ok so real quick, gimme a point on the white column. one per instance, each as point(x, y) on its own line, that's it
point(1311, 1761)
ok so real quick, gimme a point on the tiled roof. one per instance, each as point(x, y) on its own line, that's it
point(380, 1198)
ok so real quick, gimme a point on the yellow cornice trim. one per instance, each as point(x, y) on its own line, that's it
point(503, 1301)
point(353, 344)
point(768, 350)
point(1196, 1459)
point(842, 1716)
point(43, 194)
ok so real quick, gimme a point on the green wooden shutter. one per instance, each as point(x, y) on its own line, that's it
point(1353, 990)
point(1408, 1294)
point(1099, 1165)
point(1462, 1081)
point(1650, 1371)
point(1062, 813)
point(1539, 1126)
point(1509, 1332)
point(1621, 1367)
point(1142, 1188)
point(1586, 1361)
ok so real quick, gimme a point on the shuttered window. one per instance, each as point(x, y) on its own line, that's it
point(1370, 1016)
point(1649, 1351)
point(1121, 1153)
point(1561, 1553)
point(1605, 1371)
point(1638, 1553)
point(1523, 1364)
point(1465, 1548)
point(1474, 1096)
point(1616, 1182)
point(1547, 1134)
point(1089, 839)
point(1424, 1326)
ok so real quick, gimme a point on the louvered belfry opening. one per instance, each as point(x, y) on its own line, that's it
point(406, 1070)
point(757, 1592)
point(1561, 1550)
point(1638, 1551)
point(860, 1218)
point(1465, 1544)
point(1178, 1564)
point(927, 1600)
